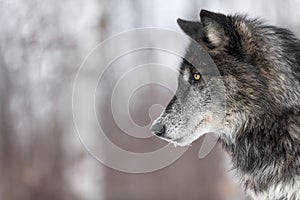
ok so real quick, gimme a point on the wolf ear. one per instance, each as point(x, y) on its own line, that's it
point(191, 28)
point(215, 26)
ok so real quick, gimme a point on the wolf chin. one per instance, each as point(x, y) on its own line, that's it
point(259, 66)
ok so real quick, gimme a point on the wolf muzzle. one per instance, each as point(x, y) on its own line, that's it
point(158, 129)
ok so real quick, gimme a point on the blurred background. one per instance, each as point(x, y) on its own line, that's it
point(42, 45)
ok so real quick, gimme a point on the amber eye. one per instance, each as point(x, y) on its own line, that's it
point(197, 77)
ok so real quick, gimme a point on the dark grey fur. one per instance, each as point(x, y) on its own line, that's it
point(260, 67)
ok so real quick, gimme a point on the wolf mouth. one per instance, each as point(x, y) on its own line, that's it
point(171, 141)
point(198, 125)
point(181, 140)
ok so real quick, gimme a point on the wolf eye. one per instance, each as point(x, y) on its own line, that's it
point(197, 77)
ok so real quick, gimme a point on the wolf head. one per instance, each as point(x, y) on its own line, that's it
point(256, 65)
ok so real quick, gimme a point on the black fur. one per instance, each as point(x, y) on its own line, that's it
point(260, 67)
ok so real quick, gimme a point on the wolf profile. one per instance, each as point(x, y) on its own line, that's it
point(259, 66)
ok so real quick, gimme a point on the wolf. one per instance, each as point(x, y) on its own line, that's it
point(259, 127)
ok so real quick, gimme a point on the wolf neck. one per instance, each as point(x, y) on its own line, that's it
point(267, 151)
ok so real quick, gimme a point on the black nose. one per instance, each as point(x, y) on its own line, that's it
point(158, 129)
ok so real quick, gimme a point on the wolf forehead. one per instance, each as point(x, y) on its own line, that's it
point(218, 34)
